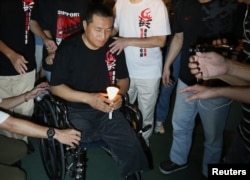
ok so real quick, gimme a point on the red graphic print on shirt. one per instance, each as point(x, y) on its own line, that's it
point(67, 24)
point(27, 7)
point(111, 63)
point(145, 19)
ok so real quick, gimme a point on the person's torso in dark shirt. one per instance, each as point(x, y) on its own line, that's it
point(199, 21)
point(15, 33)
point(87, 70)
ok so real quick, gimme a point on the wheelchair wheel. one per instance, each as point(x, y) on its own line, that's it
point(76, 163)
point(52, 152)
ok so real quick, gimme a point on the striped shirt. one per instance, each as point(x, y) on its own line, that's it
point(244, 125)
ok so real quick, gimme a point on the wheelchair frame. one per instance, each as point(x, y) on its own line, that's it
point(60, 160)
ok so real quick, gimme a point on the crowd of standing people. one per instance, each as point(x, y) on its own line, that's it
point(143, 48)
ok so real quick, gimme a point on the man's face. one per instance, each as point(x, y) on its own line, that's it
point(98, 32)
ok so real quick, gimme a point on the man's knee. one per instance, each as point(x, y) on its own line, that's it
point(11, 172)
point(12, 150)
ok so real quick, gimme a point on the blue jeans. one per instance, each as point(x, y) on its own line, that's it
point(47, 75)
point(117, 133)
point(213, 114)
point(163, 103)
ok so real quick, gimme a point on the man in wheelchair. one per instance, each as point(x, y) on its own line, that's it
point(83, 69)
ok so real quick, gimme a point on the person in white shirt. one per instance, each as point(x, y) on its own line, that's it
point(142, 26)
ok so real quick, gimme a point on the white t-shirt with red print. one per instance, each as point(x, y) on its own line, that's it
point(145, 19)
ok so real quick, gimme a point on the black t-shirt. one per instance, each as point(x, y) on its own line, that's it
point(199, 21)
point(62, 18)
point(86, 70)
point(15, 33)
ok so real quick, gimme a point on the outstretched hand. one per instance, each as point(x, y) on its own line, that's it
point(200, 92)
point(208, 65)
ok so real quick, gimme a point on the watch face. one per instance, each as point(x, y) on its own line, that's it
point(51, 132)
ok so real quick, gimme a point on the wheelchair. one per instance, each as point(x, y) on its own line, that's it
point(60, 160)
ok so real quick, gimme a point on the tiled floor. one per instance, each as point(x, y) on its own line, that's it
point(101, 166)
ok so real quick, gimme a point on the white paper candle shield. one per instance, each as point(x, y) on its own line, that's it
point(112, 92)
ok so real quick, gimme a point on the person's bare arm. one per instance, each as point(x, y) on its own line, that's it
point(6, 50)
point(212, 65)
point(234, 80)
point(174, 50)
point(239, 70)
point(202, 92)
point(96, 100)
point(123, 85)
point(122, 42)
point(11, 102)
point(70, 137)
point(16, 59)
point(37, 30)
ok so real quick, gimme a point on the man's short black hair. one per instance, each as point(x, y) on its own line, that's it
point(99, 9)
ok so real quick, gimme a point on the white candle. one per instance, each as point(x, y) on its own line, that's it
point(112, 92)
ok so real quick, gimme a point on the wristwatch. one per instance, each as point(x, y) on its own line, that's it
point(50, 133)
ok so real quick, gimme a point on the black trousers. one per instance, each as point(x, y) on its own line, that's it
point(121, 138)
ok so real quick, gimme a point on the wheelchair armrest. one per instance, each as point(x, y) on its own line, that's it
point(132, 114)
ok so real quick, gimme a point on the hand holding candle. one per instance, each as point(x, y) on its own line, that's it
point(112, 92)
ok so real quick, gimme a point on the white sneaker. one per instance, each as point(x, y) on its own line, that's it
point(159, 129)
